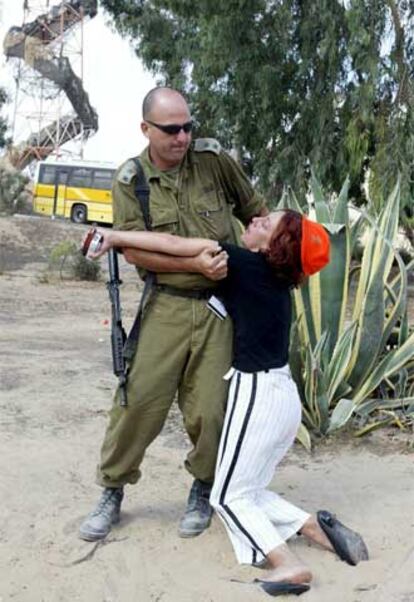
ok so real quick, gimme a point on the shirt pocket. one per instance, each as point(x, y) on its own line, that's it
point(213, 213)
point(164, 218)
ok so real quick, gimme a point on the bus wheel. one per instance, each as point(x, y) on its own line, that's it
point(78, 214)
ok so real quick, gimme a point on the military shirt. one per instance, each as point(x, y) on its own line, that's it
point(202, 198)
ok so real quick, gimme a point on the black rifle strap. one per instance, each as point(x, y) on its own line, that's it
point(142, 192)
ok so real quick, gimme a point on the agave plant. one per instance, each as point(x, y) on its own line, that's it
point(340, 344)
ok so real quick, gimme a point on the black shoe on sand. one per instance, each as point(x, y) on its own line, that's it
point(282, 588)
point(348, 544)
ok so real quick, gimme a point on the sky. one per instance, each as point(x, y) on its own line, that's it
point(113, 78)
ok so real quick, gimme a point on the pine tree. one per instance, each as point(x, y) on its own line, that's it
point(291, 84)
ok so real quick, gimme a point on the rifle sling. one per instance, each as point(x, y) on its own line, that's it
point(142, 193)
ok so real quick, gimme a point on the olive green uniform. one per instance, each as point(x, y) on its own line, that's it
point(183, 346)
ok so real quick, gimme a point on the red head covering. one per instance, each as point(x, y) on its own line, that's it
point(315, 247)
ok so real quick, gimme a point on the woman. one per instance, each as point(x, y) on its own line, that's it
point(263, 411)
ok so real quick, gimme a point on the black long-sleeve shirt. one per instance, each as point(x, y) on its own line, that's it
point(259, 304)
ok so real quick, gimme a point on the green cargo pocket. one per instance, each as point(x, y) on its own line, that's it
point(164, 219)
point(214, 213)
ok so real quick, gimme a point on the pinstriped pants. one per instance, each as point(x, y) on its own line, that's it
point(262, 418)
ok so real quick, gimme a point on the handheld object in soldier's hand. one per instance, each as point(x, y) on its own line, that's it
point(92, 242)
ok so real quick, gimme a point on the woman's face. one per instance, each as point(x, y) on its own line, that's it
point(258, 234)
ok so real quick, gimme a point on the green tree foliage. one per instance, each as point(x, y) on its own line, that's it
point(290, 83)
point(14, 195)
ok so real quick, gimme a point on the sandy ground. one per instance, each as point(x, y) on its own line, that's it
point(56, 386)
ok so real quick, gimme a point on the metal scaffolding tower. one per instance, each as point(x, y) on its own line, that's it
point(52, 113)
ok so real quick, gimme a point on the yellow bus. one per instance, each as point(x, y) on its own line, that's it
point(80, 191)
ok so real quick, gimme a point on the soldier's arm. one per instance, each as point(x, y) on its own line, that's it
point(210, 265)
point(248, 203)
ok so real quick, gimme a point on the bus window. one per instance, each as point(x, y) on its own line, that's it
point(47, 174)
point(80, 177)
point(102, 179)
point(62, 176)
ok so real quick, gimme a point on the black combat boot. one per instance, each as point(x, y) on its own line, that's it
point(197, 516)
point(99, 522)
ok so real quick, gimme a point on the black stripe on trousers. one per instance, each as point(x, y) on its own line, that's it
point(236, 392)
point(236, 456)
point(226, 520)
point(243, 530)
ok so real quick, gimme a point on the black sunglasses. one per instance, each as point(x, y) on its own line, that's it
point(172, 129)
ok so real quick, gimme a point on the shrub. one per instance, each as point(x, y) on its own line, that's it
point(14, 195)
point(69, 261)
point(85, 269)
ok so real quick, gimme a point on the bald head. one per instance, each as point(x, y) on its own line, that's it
point(162, 101)
point(167, 125)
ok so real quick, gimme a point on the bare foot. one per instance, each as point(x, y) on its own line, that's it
point(286, 567)
point(313, 531)
point(298, 573)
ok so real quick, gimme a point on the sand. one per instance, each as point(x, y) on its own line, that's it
point(56, 386)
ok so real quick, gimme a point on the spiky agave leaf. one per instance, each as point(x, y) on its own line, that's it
point(343, 363)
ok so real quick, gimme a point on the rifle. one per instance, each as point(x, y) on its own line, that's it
point(118, 336)
point(123, 347)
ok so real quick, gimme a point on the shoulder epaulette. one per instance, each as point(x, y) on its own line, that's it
point(127, 171)
point(211, 145)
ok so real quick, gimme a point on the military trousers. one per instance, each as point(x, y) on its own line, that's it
point(183, 350)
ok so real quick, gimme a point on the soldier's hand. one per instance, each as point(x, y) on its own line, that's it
point(212, 265)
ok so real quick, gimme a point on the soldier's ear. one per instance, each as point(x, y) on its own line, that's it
point(144, 129)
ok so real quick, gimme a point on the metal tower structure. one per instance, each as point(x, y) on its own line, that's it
point(52, 113)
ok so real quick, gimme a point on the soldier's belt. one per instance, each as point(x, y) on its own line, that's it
point(200, 294)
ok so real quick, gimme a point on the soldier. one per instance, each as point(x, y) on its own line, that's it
point(195, 190)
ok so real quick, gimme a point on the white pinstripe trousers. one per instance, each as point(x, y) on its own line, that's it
point(262, 418)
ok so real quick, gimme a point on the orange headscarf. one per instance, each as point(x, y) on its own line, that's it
point(315, 247)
